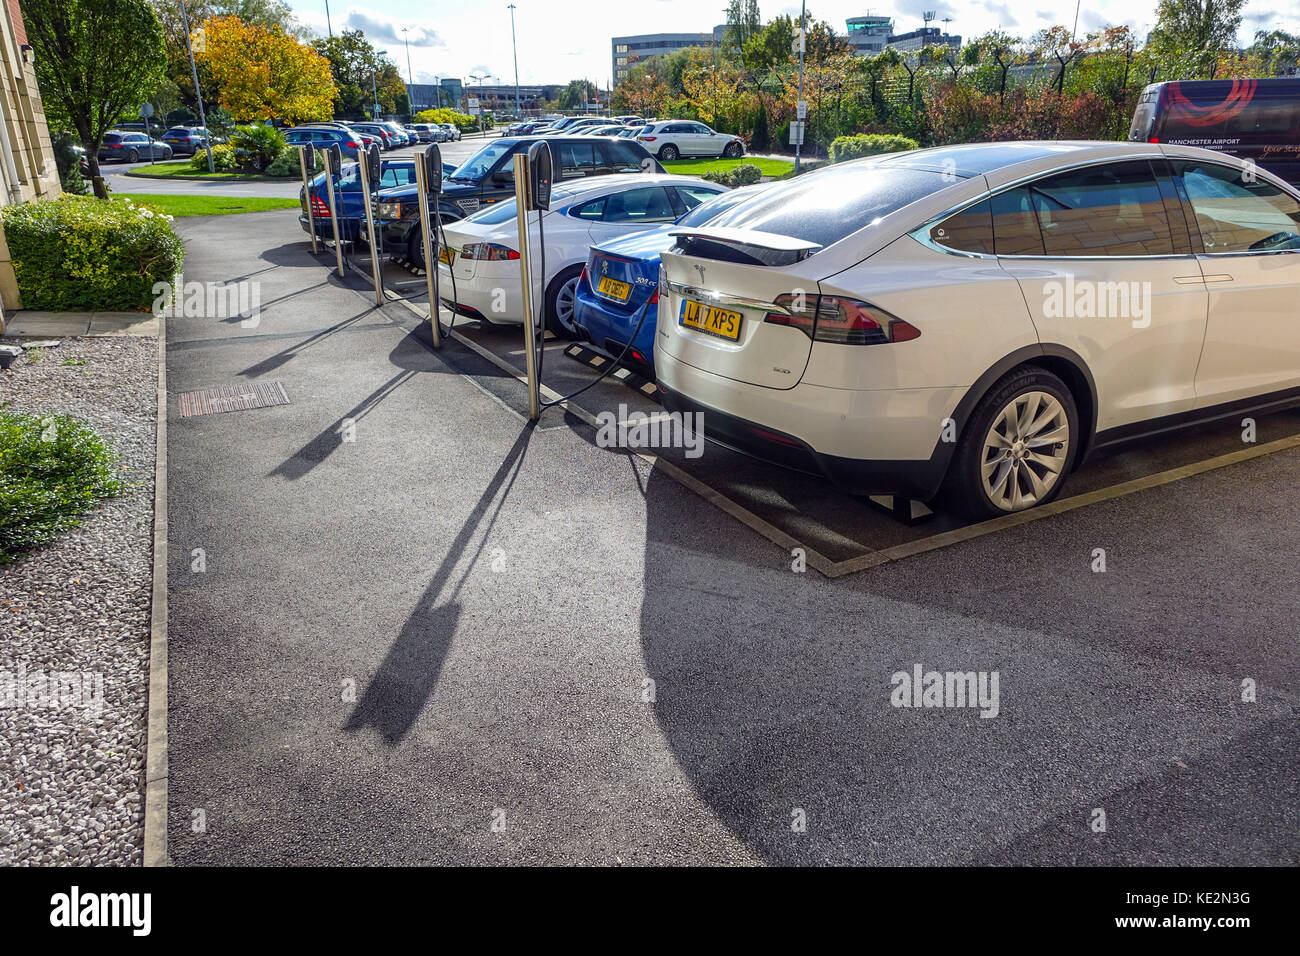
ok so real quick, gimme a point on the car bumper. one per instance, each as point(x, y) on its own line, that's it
point(609, 328)
point(878, 441)
point(349, 229)
point(494, 298)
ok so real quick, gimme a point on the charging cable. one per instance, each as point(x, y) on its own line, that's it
point(541, 330)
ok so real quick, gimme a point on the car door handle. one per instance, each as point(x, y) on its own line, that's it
point(1222, 277)
point(1188, 280)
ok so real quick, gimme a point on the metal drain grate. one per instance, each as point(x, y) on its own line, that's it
point(231, 398)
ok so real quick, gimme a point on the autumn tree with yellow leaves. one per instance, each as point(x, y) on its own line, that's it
point(263, 73)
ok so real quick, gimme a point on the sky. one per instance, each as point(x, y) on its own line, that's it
point(562, 40)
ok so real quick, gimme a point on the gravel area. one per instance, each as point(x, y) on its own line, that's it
point(72, 776)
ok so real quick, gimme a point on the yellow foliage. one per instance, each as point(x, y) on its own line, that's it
point(266, 74)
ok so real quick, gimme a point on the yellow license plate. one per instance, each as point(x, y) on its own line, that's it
point(614, 288)
point(446, 254)
point(710, 319)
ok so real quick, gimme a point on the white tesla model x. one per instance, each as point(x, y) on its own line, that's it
point(967, 323)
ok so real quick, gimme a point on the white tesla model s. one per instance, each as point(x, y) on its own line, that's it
point(967, 323)
point(482, 250)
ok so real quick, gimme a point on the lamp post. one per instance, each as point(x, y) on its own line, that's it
point(407, 40)
point(515, 51)
point(203, 120)
point(374, 88)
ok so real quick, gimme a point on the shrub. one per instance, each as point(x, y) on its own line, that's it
point(259, 144)
point(462, 121)
point(52, 470)
point(224, 159)
point(868, 144)
point(742, 175)
point(79, 253)
point(286, 164)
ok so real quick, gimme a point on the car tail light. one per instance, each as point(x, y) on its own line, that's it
point(841, 321)
point(647, 139)
point(582, 279)
point(654, 296)
point(1153, 139)
point(488, 252)
point(352, 145)
point(319, 207)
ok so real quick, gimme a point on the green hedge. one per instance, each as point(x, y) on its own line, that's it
point(869, 144)
point(745, 174)
point(76, 253)
point(52, 470)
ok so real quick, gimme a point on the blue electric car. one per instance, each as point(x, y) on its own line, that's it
point(622, 278)
point(347, 193)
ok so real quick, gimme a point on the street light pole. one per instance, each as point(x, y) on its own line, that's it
point(407, 40)
point(515, 50)
point(194, 70)
point(803, 43)
point(374, 89)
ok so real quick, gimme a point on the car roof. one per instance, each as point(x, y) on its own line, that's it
point(593, 184)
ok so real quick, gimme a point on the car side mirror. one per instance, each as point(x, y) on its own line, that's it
point(503, 179)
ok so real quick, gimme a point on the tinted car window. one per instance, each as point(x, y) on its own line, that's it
point(648, 204)
point(1015, 226)
point(621, 157)
point(970, 230)
point(112, 138)
point(828, 205)
point(1109, 210)
point(589, 210)
point(398, 176)
point(1238, 216)
point(577, 159)
point(692, 195)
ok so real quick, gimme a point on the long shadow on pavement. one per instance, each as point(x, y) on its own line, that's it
point(409, 673)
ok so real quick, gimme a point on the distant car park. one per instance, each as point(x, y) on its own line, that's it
point(125, 146)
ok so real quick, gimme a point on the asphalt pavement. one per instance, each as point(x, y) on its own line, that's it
point(424, 632)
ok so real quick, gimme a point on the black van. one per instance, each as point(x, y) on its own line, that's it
point(488, 177)
point(1254, 119)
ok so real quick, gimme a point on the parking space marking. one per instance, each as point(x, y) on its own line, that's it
point(875, 557)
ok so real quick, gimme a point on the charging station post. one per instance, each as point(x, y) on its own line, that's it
point(370, 167)
point(522, 202)
point(428, 179)
point(307, 160)
point(334, 167)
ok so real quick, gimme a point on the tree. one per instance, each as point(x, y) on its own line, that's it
point(577, 94)
point(743, 23)
point(96, 61)
point(1279, 50)
point(1191, 35)
point(265, 73)
point(1057, 43)
point(352, 59)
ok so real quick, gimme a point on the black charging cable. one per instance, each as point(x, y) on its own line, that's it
point(541, 331)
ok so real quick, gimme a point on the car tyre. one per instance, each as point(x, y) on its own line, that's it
point(561, 301)
point(669, 152)
point(733, 151)
point(1018, 446)
point(415, 248)
point(133, 156)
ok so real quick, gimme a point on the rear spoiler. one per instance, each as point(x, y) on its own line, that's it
point(763, 248)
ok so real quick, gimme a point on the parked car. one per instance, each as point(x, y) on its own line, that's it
point(480, 248)
point(402, 137)
point(622, 278)
point(487, 178)
point(971, 322)
point(453, 134)
point(348, 198)
point(186, 140)
point(1257, 120)
point(387, 139)
point(323, 136)
point(674, 138)
point(127, 147)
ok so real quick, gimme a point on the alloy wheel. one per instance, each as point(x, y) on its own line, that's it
point(1025, 451)
point(565, 302)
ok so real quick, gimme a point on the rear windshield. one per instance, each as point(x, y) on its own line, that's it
point(826, 206)
point(112, 137)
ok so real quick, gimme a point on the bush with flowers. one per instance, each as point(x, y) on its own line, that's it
point(76, 253)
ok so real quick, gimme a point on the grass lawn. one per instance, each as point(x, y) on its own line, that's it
point(210, 205)
point(181, 168)
point(698, 167)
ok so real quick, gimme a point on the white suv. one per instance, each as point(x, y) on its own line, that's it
point(673, 138)
point(969, 322)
